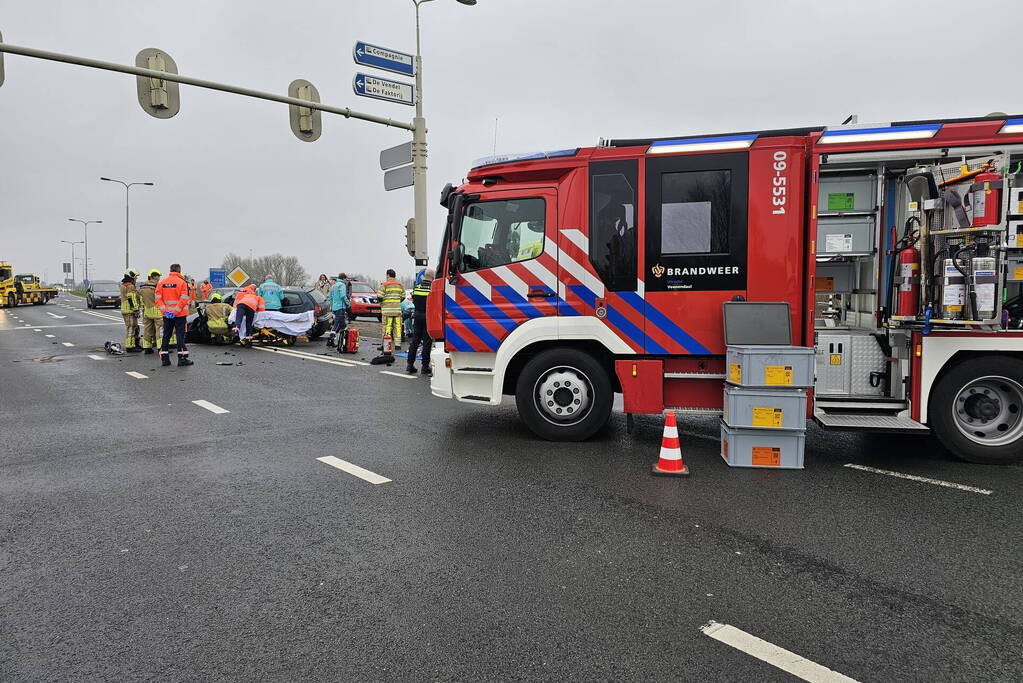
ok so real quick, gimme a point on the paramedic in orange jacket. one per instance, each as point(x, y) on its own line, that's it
point(205, 288)
point(246, 304)
point(172, 297)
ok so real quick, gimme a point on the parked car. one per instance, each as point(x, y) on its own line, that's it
point(364, 301)
point(103, 293)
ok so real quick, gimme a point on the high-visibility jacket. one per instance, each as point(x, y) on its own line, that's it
point(147, 292)
point(216, 317)
point(272, 293)
point(206, 289)
point(130, 302)
point(172, 295)
point(391, 295)
point(248, 297)
point(419, 296)
point(191, 292)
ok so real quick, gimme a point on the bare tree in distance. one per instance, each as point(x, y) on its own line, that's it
point(286, 270)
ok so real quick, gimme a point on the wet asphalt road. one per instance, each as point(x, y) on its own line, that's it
point(145, 537)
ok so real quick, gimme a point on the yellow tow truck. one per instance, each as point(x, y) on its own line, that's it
point(22, 289)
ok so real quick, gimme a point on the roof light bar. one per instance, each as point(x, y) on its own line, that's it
point(507, 158)
point(711, 144)
point(842, 136)
point(1012, 126)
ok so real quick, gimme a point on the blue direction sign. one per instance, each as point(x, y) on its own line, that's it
point(384, 89)
point(382, 58)
point(218, 277)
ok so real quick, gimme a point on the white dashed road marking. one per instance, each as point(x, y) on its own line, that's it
point(67, 343)
point(212, 407)
point(304, 356)
point(37, 330)
point(397, 374)
point(139, 375)
point(95, 357)
point(773, 655)
point(923, 480)
point(50, 336)
point(361, 473)
point(55, 315)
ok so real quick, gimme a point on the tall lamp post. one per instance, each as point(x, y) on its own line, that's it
point(74, 280)
point(419, 140)
point(85, 224)
point(127, 186)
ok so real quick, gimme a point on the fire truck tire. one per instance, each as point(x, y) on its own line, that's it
point(564, 395)
point(11, 301)
point(976, 410)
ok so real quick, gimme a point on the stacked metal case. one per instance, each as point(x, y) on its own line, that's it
point(764, 422)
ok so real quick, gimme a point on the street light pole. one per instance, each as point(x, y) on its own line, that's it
point(74, 280)
point(419, 149)
point(85, 224)
point(127, 186)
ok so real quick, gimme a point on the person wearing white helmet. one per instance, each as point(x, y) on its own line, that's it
point(131, 304)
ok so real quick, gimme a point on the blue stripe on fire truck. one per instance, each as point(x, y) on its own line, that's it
point(459, 314)
point(488, 307)
point(663, 323)
point(518, 301)
point(614, 317)
point(454, 341)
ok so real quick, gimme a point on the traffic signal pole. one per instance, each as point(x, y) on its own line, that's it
point(200, 83)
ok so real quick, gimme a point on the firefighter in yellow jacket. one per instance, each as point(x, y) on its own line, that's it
point(131, 304)
point(391, 294)
point(152, 318)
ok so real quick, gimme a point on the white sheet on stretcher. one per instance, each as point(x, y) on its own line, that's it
point(288, 323)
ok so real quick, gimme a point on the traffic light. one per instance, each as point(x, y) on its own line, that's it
point(157, 96)
point(305, 122)
point(410, 237)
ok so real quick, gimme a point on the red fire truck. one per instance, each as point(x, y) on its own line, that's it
point(568, 276)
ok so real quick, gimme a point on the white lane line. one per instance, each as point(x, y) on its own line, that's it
point(361, 473)
point(781, 658)
point(139, 375)
point(397, 374)
point(337, 358)
point(95, 357)
point(923, 480)
point(49, 335)
point(37, 330)
point(55, 315)
point(332, 361)
point(61, 327)
point(67, 343)
point(212, 407)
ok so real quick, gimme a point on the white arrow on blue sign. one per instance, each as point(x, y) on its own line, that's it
point(384, 89)
point(383, 58)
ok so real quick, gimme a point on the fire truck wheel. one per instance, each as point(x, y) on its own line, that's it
point(976, 410)
point(11, 302)
point(564, 395)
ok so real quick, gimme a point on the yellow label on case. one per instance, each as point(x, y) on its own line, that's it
point(836, 359)
point(766, 456)
point(767, 417)
point(734, 373)
point(778, 375)
point(1017, 273)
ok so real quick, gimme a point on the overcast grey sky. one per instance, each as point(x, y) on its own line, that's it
point(230, 176)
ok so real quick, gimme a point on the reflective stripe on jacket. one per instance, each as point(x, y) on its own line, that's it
point(391, 295)
point(248, 297)
point(130, 302)
point(147, 292)
point(272, 294)
point(419, 297)
point(172, 295)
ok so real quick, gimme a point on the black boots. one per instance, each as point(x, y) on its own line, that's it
point(148, 352)
point(184, 360)
point(165, 359)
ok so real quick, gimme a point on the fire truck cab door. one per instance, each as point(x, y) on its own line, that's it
point(695, 248)
point(507, 274)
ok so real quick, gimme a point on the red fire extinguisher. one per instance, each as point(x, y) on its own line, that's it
point(985, 198)
point(909, 282)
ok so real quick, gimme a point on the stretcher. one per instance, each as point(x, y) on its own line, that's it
point(274, 327)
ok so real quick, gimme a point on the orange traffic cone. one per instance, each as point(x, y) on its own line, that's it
point(670, 464)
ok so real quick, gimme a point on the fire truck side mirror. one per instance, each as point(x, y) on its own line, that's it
point(455, 260)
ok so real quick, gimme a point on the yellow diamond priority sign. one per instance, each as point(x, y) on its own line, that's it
point(238, 276)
